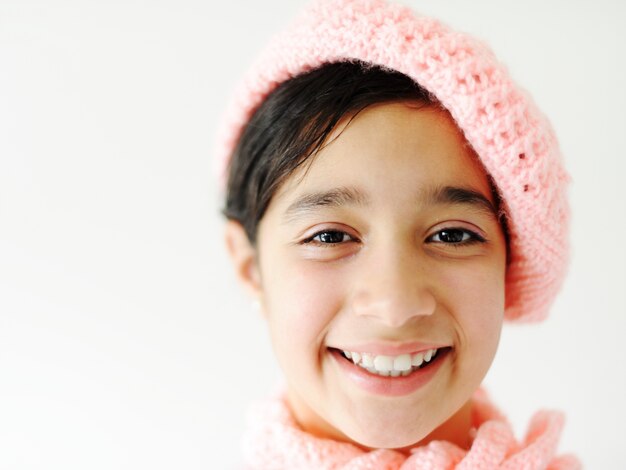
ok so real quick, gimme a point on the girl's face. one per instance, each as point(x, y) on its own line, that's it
point(387, 246)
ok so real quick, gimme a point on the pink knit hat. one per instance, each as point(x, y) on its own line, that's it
point(513, 139)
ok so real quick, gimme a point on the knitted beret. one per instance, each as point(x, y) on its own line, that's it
point(512, 138)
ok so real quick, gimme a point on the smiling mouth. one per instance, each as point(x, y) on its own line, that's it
point(394, 366)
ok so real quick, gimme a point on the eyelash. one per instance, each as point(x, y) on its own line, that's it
point(311, 240)
point(472, 239)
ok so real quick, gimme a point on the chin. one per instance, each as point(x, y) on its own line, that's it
point(384, 427)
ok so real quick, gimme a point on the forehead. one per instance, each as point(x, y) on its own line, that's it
point(393, 152)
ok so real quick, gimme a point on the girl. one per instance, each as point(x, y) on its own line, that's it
point(391, 198)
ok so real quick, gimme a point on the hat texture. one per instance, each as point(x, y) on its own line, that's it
point(512, 138)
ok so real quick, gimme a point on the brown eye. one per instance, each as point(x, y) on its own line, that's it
point(453, 236)
point(331, 237)
point(456, 236)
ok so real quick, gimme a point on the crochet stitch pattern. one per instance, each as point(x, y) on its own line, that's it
point(274, 440)
point(513, 139)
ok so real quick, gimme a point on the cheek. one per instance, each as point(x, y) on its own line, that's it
point(301, 299)
point(475, 297)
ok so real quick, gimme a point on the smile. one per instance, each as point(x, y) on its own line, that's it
point(391, 376)
point(391, 366)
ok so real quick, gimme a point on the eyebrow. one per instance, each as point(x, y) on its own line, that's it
point(349, 196)
point(453, 195)
point(336, 197)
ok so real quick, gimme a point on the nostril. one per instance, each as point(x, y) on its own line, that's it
point(397, 312)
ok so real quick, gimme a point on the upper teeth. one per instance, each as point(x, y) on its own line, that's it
point(393, 366)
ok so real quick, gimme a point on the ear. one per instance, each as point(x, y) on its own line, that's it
point(243, 257)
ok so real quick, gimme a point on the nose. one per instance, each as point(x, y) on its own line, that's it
point(393, 288)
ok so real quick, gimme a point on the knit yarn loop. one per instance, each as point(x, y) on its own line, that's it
point(274, 441)
point(512, 138)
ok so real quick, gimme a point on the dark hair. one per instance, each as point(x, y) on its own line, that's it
point(293, 123)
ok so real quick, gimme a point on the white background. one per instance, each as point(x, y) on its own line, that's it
point(124, 341)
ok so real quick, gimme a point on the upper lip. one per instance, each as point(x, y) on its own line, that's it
point(392, 349)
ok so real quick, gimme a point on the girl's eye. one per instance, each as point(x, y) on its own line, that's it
point(456, 236)
point(329, 237)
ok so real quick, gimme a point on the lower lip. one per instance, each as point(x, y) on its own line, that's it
point(390, 386)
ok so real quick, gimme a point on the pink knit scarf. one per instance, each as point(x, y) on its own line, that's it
point(274, 441)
